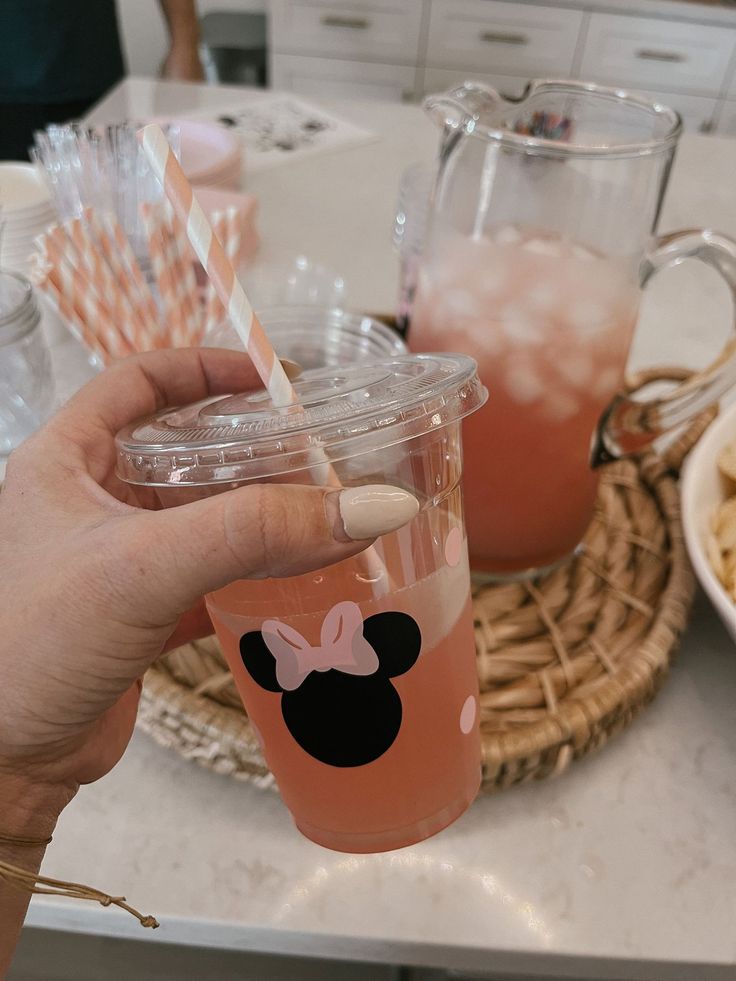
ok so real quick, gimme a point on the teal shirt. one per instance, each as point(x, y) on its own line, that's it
point(55, 51)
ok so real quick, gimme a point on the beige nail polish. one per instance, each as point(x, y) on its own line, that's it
point(375, 509)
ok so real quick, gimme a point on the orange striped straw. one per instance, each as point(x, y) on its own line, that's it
point(219, 269)
point(118, 254)
point(176, 331)
point(221, 273)
point(48, 283)
point(83, 296)
point(82, 251)
point(214, 310)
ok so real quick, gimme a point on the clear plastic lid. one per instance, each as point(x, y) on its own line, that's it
point(341, 412)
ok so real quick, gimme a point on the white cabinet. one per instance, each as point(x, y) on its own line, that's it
point(641, 52)
point(334, 78)
point(494, 37)
point(404, 49)
point(366, 30)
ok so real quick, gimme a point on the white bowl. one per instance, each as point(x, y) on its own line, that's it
point(23, 188)
point(703, 489)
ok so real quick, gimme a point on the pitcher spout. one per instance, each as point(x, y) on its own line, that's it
point(463, 107)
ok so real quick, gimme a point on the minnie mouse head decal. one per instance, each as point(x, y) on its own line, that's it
point(337, 699)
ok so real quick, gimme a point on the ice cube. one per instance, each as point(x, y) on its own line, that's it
point(586, 315)
point(544, 246)
point(577, 369)
point(494, 277)
point(521, 381)
point(488, 338)
point(580, 252)
point(542, 296)
point(508, 235)
point(462, 303)
point(520, 325)
point(560, 406)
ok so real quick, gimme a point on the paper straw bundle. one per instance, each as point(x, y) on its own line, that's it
point(100, 169)
point(89, 272)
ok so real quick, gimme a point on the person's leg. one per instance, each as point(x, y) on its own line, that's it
point(18, 123)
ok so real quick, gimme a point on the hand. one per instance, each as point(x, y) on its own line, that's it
point(94, 586)
point(183, 64)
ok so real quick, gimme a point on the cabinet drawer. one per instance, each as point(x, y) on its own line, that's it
point(380, 30)
point(331, 78)
point(638, 52)
point(439, 79)
point(493, 37)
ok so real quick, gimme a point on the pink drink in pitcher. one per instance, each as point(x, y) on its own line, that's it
point(550, 324)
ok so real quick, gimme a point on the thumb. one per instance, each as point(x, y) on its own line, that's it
point(256, 532)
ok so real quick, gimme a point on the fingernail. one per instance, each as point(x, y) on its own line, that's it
point(292, 369)
point(375, 509)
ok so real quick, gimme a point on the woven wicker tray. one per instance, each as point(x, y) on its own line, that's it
point(564, 663)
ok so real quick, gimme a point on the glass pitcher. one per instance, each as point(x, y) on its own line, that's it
point(540, 240)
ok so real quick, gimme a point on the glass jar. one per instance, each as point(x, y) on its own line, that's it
point(26, 381)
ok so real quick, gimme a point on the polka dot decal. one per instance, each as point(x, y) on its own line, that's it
point(467, 715)
point(453, 547)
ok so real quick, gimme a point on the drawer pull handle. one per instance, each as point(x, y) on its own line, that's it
point(355, 23)
point(650, 54)
point(500, 37)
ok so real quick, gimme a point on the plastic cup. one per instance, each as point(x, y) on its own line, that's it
point(360, 683)
point(317, 337)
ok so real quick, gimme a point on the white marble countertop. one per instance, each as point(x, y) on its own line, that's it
point(624, 867)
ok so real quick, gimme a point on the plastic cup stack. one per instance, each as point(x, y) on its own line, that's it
point(26, 210)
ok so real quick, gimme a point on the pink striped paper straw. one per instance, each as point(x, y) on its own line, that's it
point(118, 254)
point(81, 246)
point(175, 334)
point(83, 296)
point(219, 269)
point(48, 283)
point(214, 310)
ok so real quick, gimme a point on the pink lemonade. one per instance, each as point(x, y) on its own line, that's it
point(550, 324)
point(375, 761)
point(360, 678)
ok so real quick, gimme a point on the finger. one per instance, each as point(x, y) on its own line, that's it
point(144, 383)
point(81, 432)
point(253, 532)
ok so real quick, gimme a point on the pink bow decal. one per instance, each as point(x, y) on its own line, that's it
point(342, 647)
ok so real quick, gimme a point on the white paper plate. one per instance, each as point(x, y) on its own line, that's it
point(22, 188)
point(207, 149)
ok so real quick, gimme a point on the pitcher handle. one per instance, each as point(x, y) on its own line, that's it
point(630, 425)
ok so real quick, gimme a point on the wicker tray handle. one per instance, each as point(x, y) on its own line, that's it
point(674, 454)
